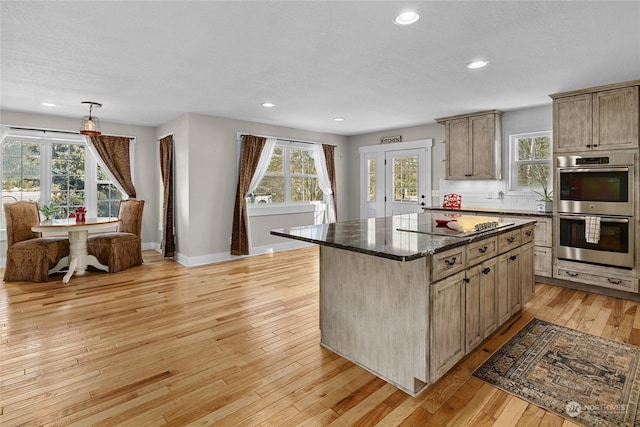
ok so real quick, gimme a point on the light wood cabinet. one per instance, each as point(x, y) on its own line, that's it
point(598, 119)
point(481, 314)
point(447, 324)
point(508, 284)
point(527, 280)
point(473, 145)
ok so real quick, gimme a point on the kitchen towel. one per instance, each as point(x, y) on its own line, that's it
point(592, 229)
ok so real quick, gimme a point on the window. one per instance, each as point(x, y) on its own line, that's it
point(54, 167)
point(531, 162)
point(291, 177)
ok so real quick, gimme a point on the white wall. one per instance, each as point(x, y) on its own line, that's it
point(434, 131)
point(475, 193)
point(146, 159)
point(206, 180)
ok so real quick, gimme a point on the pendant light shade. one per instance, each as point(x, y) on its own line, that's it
point(90, 125)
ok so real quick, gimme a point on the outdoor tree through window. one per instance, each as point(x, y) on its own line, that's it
point(532, 163)
point(291, 177)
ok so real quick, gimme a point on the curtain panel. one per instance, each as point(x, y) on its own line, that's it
point(329, 157)
point(114, 152)
point(167, 245)
point(252, 147)
point(324, 183)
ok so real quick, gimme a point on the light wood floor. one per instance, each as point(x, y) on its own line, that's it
point(236, 343)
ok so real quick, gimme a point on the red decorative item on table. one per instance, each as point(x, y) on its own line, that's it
point(452, 201)
point(81, 213)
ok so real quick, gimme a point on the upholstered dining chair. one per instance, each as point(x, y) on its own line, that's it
point(29, 255)
point(121, 249)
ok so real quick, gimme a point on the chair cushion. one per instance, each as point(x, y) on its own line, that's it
point(117, 250)
point(31, 259)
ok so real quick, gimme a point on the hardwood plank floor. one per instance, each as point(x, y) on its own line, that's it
point(237, 343)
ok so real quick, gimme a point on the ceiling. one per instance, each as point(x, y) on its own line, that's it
point(149, 62)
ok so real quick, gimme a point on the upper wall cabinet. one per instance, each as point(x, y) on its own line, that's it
point(603, 118)
point(473, 145)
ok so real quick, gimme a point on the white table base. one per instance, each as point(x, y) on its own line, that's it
point(78, 258)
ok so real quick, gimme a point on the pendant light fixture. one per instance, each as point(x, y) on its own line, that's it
point(90, 125)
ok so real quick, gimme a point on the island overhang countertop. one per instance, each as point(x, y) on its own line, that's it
point(402, 237)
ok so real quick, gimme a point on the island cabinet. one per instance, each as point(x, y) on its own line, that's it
point(473, 145)
point(408, 306)
point(597, 119)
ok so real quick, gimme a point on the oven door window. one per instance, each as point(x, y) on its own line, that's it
point(595, 186)
point(614, 236)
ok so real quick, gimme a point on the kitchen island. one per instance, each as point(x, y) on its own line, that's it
point(406, 297)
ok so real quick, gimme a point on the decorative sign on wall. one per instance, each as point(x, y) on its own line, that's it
point(390, 139)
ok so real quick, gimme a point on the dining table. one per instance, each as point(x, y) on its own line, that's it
point(78, 259)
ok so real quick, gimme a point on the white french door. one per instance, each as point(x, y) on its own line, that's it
point(405, 181)
point(395, 178)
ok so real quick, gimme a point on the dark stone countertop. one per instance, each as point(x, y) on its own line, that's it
point(494, 211)
point(381, 237)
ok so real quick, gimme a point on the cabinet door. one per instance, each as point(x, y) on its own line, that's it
point(447, 324)
point(488, 301)
point(457, 137)
point(473, 322)
point(572, 124)
point(615, 119)
point(527, 284)
point(514, 264)
point(502, 289)
point(542, 261)
point(482, 146)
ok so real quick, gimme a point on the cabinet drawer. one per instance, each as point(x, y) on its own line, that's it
point(629, 285)
point(481, 250)
point(446, 263)
point(508, 241)
point(528, 233)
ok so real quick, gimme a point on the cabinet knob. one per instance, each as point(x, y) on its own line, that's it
point(486, 270)
point(466, 280)
point(595, 145)
point(511, 239)
point(513, 257)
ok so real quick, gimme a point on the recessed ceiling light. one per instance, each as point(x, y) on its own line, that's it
point(406, 18)
point(268, 104)
point(338, 119)
point(477, 64)
point(47, 104)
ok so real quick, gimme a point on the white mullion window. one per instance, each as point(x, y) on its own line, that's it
point(290, 179)
point(531, 156)
point(55, 167)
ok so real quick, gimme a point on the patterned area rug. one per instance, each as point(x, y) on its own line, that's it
point(589, 380)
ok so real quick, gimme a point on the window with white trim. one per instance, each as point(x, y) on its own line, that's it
point(531, 168)
point(54, 167)
point(291, 177)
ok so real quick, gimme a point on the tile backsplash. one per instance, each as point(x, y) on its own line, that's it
point(487, 194)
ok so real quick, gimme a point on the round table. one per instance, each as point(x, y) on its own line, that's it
point(78, 258)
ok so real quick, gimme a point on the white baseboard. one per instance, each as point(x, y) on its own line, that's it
point(226, 256)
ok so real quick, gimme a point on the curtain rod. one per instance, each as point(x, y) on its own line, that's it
point(239, 138)
point(58, 131)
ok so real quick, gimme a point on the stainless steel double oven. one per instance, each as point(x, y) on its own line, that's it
point(596, 191)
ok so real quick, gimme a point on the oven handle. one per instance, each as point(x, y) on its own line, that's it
point(594, 169)
point(602, 219)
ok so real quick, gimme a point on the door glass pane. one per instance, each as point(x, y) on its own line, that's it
point(405, 179)
point(371, 186)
